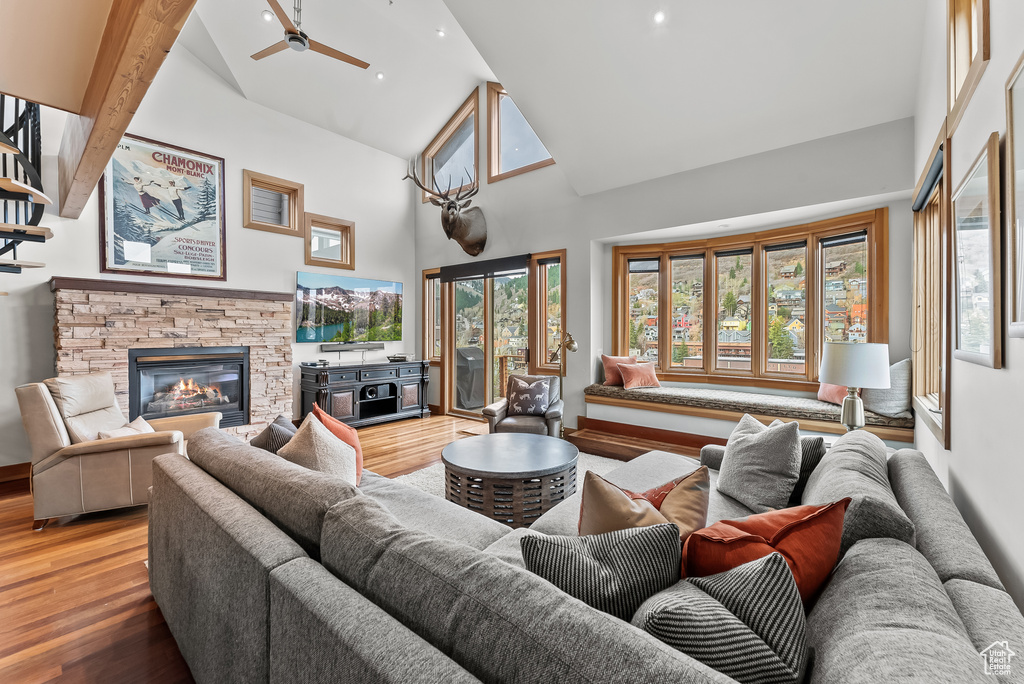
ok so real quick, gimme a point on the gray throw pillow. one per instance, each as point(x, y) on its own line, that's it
point(613, 572)
point(315, 447)
point(895, 401)
point(761, 464)
point(266, 439)
point(528, 398)
point(812, 449)
point(856, 467)
point(747, 623)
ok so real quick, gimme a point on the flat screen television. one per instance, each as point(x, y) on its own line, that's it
point(332, 308)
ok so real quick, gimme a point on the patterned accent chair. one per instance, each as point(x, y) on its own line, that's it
point(73, 471)
point(549, 424)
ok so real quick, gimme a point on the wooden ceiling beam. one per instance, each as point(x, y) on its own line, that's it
point(136, 40)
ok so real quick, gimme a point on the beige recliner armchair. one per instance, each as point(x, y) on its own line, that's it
point(73, 471)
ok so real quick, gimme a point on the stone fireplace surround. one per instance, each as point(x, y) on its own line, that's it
point(97, 321)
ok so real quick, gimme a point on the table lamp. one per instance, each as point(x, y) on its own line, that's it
point(856, 365)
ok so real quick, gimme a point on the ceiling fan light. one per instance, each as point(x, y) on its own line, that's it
point(267, 15)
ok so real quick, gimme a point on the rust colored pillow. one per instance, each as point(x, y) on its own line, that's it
point(343, 432)
point(808, 538)
point(833, 394)
point(612, 376)
point(638, 375)
point(607, 508)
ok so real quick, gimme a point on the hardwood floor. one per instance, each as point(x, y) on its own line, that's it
point(74, 598)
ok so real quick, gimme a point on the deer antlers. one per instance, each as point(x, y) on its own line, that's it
point(439, 197)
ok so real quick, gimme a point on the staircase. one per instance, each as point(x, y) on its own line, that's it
point(21, 188)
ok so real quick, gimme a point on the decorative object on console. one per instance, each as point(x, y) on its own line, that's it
point(977, 254)
point(1015, 186)
point(807, 536)
point(528, 398)
point(612, 376)
point(272, 204)
point(614, 572)
point(856, 365)
point(761, 464)
point(330, 242)
point(162, 212)
point(605, 507)
point(296, 39)
point(635, 375)
point(468, 227)
point(315, 447)
point(753, 609)
point(332, 308)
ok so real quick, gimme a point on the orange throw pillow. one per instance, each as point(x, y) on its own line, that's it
point(807, 537)
point(612, 376)
point(343, 432)
point(605, 507)
point(833, 394)
point(638, 375)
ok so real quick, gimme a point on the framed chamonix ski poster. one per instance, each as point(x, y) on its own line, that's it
point(162, 211)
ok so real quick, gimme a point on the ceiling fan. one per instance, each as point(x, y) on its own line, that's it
point(297, 40)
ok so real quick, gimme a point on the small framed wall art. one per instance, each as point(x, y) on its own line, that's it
point(162, 212)
point(977, 238)
point(1015, 191)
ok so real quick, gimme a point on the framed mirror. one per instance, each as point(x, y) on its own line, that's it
point(977, 238)
point(272, 204)
point(1015, 189)
point(330, 242)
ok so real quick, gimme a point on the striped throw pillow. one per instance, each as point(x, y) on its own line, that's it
point(613, 572)
point(272, 439)
point(747, 623)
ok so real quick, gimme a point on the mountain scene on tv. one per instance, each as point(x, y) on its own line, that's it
point(342, 309)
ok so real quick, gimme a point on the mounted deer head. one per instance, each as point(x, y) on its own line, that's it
point(467, 226)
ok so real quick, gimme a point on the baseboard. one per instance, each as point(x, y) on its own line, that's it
point(18, 471)
point(683, 439)
point(435, 409)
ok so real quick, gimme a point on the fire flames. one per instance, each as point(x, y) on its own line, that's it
point(190, 394)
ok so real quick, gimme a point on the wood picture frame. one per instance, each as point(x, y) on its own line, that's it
point(977, 255)
point(256, 187)
point(162, 212)
point(319, 227)
point(1015, 198)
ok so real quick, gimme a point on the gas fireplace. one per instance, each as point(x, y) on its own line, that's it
point(186, 380)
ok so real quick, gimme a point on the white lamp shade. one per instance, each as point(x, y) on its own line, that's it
point(855, 364)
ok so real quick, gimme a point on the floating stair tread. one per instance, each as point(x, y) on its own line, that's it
point(622, 447)
point(8, 149)
point(11, 185)
point(29, 230)
point(20, 263)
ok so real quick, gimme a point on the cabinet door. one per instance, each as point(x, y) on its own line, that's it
point(411, 395)
point(343, 404)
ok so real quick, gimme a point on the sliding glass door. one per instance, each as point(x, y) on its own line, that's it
point(470, 321)
point(510, 337)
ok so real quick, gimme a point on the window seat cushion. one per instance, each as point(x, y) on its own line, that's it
point(773, 405)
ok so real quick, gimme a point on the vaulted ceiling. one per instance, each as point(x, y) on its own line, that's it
point(616, 97)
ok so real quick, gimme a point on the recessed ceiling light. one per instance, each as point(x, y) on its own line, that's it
point(659, 17)
point(380, 75)
point(267, 15)
point(440, 33)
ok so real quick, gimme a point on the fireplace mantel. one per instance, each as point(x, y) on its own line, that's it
point(93, 285)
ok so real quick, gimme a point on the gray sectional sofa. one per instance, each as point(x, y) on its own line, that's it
point(268, 572)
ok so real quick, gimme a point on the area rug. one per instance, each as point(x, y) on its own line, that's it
point(431, 478)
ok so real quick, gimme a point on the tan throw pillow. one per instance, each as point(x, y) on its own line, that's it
point(139, 426)
point(316, 448)
point(683, 501)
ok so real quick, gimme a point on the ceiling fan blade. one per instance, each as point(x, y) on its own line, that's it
point(336, 54)
point(285, 20)
point(272, 50)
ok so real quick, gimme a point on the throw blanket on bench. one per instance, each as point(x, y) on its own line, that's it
point(795, 408)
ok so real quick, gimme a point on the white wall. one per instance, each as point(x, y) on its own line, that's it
point(984, 468)
point(540, 211)
point(191, 107)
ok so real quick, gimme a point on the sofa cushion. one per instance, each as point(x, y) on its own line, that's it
point(272, 441)
point(893, 401)
point(87, 404)
point(806, 536)
point(139, 426)
point(418, 510)
point(855, 467)
point(942, 536)
point(989, 615)
point(614, 572)
point(884, 617)
point(761, 464)
point(500, 622)
point(294, 498)
point(314, 446)
point(747, 622)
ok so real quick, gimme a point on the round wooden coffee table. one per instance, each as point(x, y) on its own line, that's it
point(510, 477)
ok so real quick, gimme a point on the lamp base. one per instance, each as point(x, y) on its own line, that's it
point(852, 415)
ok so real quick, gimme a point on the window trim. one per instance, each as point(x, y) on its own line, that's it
point(957, 100)
point(470, 106)
point(430, 315)
point(874, 222)
point(347, 234)
point(494, 174)
point(296, 201)
point(538, 362)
